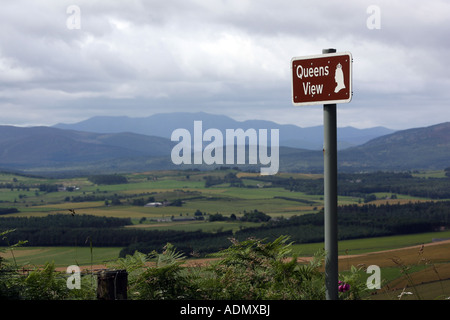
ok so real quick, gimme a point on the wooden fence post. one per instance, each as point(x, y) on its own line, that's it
point(112, 285)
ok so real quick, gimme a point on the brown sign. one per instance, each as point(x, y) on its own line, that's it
point(322, 79)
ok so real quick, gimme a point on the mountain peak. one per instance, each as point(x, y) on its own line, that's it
point(48, 149)
point(163, 124)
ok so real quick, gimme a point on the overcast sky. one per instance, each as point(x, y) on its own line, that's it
point(232, 57)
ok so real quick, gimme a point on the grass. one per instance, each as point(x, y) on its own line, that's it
point(427, 291)
point(168, 186)
point(226, 200)
point(425, 273)
point(367, 245)
point(63, 256)
point(196, 225)
point(347, 248)
point(430, 174)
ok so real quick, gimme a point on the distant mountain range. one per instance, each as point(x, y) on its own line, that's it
point(46, 149)
point(163, 124)
point(117, 144)
point(417, 148)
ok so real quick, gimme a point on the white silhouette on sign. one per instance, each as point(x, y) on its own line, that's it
point(339, 78)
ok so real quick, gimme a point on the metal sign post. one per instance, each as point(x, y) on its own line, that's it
point(330, 197)
point(330, 200)
point(326, 79)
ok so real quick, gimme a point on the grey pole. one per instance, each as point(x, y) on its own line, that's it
point(330, 197)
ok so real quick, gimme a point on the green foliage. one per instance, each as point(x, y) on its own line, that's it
point(361, 184)
point(355, 280)
point(8, 210)
point(9, 286)
point(158, 276)
point(248, 270)
point(230, 178)
point(48, 187)
point(255, 216)
point(64, 220)
point(44, 284)
point(355, 221)
point(11, 247)
point(108, 179)
point(216, 217)
point(41, 283)
point(253, 269)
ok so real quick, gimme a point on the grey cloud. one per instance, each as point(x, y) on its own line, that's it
point(136, 57)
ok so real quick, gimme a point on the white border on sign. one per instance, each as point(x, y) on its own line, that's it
point(345, 53)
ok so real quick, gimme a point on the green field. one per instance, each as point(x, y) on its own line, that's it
point(367, 245)
point(61, 256)
point(82, 254)
point(168, 185)
point(26, 193)
point(189, 187)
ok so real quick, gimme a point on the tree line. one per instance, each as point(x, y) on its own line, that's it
point(60, 220)
point(230, 178)
point(108, 179)
point(68, 230)
point(8, 210)
point(362, 184)
point(354, 221)
point(360, 221)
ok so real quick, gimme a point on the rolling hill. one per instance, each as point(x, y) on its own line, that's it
point(49, 150)
point(418, 148)
point(163, 124)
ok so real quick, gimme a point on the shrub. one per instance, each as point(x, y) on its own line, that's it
point(255, 270)
point(157, 276)
point(248, 270)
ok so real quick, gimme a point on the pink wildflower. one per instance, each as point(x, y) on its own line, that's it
point(343, 287)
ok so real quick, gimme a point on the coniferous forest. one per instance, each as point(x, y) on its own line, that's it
point(354, 221)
